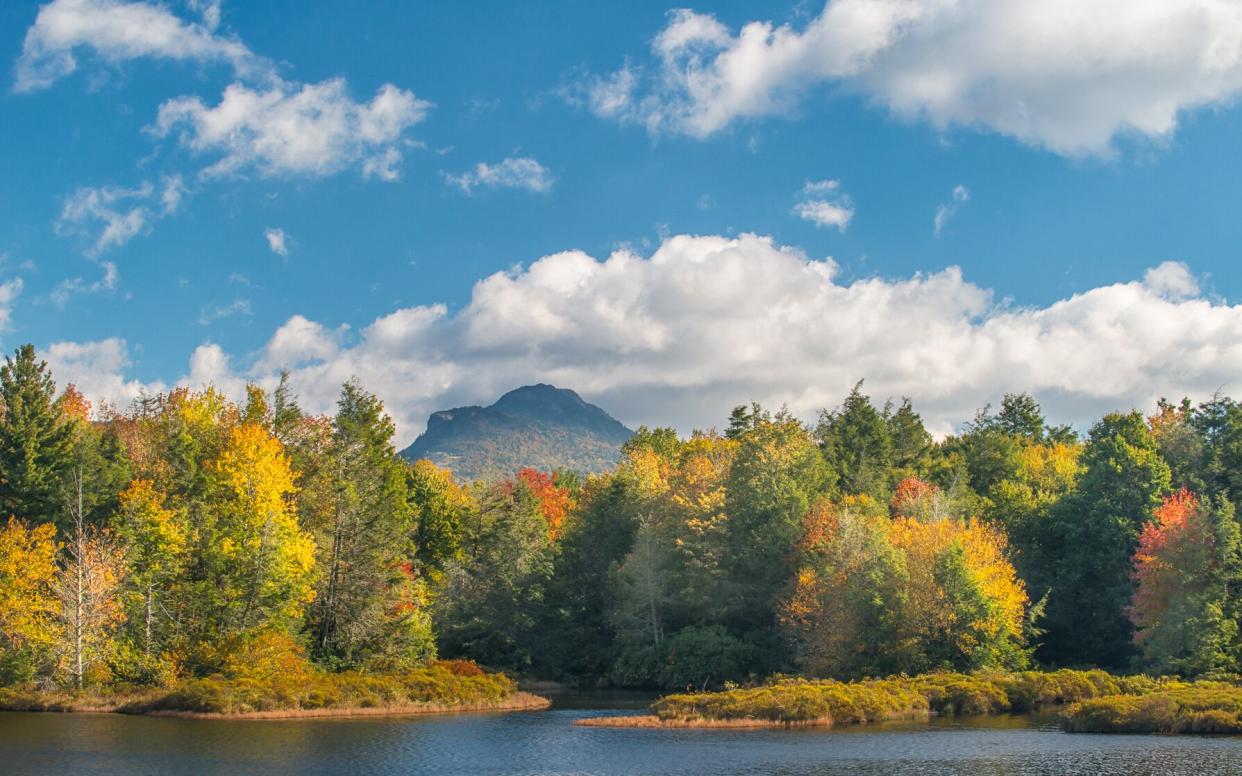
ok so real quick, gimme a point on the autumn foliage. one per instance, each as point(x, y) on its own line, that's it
point(554, 501)
point(1176, 534)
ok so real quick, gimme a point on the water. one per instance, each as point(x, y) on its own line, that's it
point(546, 743)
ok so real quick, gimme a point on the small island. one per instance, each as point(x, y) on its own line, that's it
point(296, 691)
point(1085, 702)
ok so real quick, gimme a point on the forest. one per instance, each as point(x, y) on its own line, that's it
point(189, 537)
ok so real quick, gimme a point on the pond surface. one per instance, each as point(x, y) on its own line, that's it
point(546, 742)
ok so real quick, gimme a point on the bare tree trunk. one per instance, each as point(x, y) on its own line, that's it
point(648, 555)
point(79, 542)
point(146, 642)
point(328, 625)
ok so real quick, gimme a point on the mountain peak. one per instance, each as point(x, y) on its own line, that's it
point(539, 425)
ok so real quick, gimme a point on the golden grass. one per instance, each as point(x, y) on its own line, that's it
point(519, 701)
point(437, 688)
point(1198, 707)
point(1096, 701)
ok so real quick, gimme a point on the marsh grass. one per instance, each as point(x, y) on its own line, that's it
point(1094, 700)
point(1200, 707)
point(436, 687)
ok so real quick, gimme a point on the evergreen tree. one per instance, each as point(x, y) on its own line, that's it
point(492, 601)
point(856, 443)
point(1020, 416)
point(912, 447)
point(368, 606)
point(35, 441)
point(1094, 533)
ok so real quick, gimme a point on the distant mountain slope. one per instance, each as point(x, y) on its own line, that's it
point(536, 425)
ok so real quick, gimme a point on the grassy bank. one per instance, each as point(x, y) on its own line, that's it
point(440, 687)
point(1086, 696)
point(1199, 707)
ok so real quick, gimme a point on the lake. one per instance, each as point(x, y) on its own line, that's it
point(546, 742)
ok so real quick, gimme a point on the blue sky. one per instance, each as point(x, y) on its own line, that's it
point(137, 252)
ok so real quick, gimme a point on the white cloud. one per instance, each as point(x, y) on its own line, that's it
point(72, 286)
point(119, 214)
point(707, 322)
point(513, 173)
point(947, 210)
point(824, 204)
point(277, 241)
point(212, 313)
point(295, 129)
point(173, 192)
point(97, 369)
point(116, 31)
point(1065, 75)
point(9, 291)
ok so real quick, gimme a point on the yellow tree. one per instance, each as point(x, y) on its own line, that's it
point(28, 604)
point(257, 564)
point(155, 538)
point(967, 607)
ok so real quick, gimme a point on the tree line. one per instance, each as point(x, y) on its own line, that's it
point(186, 533)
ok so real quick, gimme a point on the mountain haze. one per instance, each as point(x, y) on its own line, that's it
point(540, 426)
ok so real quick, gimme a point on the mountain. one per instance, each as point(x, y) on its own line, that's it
point(540, 426)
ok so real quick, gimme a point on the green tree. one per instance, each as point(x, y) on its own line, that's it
point(368, 606)
point(1020, 416)
point(912, 447)
point(491, 602)
point(776, 474)
point(596, 538)
point(1095, 532)
point(856, 443)
point(35, 440)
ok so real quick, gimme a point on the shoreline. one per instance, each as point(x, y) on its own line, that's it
point(519, 701)
point(653, 722)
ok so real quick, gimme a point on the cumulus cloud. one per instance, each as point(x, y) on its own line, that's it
point(1065, 75)
point(824, 204)
point(708, 322)
point(277, 241)
point(116, 31)
point(514, 173)
point(97, 369)
point(946, 210)
point(110, 216)
point(292, 129)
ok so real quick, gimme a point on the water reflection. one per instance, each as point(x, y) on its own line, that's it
point(547, 743)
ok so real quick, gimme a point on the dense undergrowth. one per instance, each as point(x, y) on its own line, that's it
point(1092, 701)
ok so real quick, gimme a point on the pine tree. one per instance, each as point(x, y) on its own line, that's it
point(1093, 534)
point(35, 440)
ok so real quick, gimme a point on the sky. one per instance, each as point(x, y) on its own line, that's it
point(670, 210)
